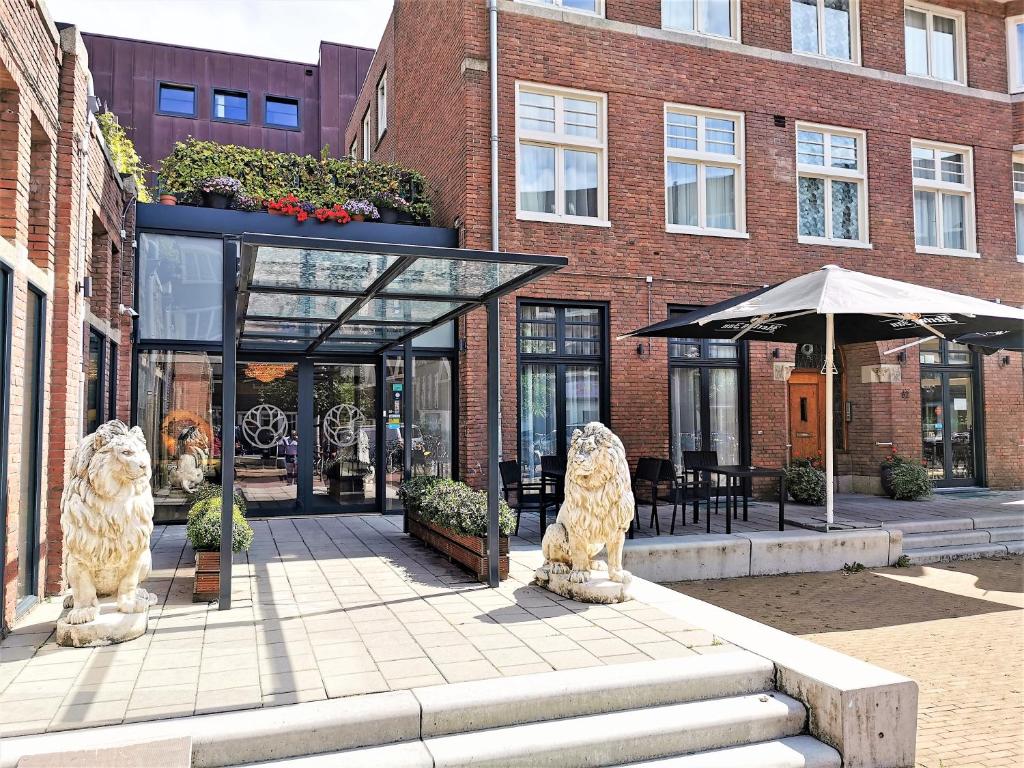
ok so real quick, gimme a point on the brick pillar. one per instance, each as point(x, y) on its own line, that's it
point(100, 270)
point(1003, 376)
point(15, 150)
point(41, 198)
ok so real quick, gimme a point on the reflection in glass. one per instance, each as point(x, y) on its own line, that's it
point(723, 394)
point(456, 277)
point(267, 440)
point(961, 435)
point(925, 226)
point(916, 41)
point(536, 178)
point(812, 206)
point(804, 22)
point(944, 48)
point(682, 194)
point(179, 290)
point(179, 412)
point(932, 426)
point(582, 397)
point(345, 429)
point(432, 417)
point(1018, 212)
point(954, 226)
point(580, 183)
point(537, 417)
point(721, 197)
point(685, 408)
point(845, 225)
point(716, 17)
point(31, 460)
point(295, 305)
point(308, 268)
point(94, 383)
point(837, 29)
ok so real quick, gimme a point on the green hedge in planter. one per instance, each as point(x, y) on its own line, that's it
point(805, 483)
point(203, 527)
point(910, 481)
point(454, 505)
point(265, 175)
point(207, 490)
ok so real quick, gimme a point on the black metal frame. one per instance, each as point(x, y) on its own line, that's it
point(36, 426)
point(974, 370)
point(112, 372)
point(741, 363)
point(560, 361)
point(298, 112)
point(195, 100)
point(7, 308)
point(102, 396)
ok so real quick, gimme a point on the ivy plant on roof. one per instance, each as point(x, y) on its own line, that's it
point(122, 152)
point(321, 182)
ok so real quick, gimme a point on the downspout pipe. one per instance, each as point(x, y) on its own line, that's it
point(492, 68)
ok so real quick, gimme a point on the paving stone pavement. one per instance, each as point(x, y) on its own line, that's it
point(957, 629)
point(322, 607)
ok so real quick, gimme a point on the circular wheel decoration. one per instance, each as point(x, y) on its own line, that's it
point(341, 424)
point(264, 426)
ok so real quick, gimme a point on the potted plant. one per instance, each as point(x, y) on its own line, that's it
point(242, 202)
point(391, 208)
point(203, 532)
point(805, 482)
point(361, 210)
point(451, 518)
point(218, 191)
point(904, 479)
point(336, 213)
point(168, 199)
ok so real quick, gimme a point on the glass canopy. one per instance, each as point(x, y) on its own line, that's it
point(310, 295)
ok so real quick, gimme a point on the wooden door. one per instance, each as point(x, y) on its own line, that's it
point(807, 414)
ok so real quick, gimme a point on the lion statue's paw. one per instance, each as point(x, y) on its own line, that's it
point(559, 568)
point(620, 576)
point(69, 601)
point(598, 565)
point(133, 603)
point(82, 615)
point(579, 577)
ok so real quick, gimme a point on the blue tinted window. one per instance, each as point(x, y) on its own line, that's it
point(177, 99)
point(282, 112)
point(230, 105)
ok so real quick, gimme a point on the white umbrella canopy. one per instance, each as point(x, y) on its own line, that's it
point(835, 305)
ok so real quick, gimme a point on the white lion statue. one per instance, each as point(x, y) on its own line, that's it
point(190, 470)
point(107, 519)
point(597, 511)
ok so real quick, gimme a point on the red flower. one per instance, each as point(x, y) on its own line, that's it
point(301, 215)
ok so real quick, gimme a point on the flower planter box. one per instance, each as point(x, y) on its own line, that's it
point(206, 587)
point(468, 551)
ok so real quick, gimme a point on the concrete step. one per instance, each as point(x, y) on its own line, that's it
point(943, 539)
point(999, 520)
point(1014, 547)
point(409, 754)
point(793, 752)
point(621, 737)
point(932, 525)
point(946, 554)
point(1009, 533)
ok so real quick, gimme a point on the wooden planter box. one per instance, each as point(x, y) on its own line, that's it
point(207, 580)
point(468, 551)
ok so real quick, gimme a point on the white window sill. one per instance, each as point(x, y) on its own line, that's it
point(823, 57)
point(933, 251)
point(933, 79)
point(554, 218)
point(804, 240)
point(679, 229)
point(699, 33)
point(563, 9)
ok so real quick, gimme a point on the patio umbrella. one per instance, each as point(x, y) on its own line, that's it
point(988, 343)
point(834, 306)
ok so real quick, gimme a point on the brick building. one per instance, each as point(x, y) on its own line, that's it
point(66, 261)
point(165, 93)
point(680, 153)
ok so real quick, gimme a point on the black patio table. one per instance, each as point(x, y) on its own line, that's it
point(734, 475)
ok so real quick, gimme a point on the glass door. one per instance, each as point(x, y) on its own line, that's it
point(267, 436)
point(345, 429)
point(948, 431)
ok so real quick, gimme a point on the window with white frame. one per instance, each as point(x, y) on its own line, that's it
point(832, 197)
point(704, 188)
point(561, 148)
point(1015, 53)
point(825, 28)
point(367, 136)
point(1018, 202)
point(382, 104)
point(934, 40)
point(708, 17)
point(593, 7)
point(353, 148)
point(943, 198)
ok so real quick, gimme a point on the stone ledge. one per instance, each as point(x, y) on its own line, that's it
point(688, 558)
point(775, 552)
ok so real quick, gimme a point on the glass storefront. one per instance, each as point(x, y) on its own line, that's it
point(180, 287)
point(179, 410)
point(267, 435)
point(948, 435)
point(345, 424)
point(94, 365)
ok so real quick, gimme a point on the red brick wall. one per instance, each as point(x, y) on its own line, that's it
point(639, 74)
point(45, 231)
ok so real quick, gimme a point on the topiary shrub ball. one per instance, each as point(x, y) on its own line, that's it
point(203, 527)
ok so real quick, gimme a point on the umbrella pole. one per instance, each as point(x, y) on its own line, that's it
point(830, 338)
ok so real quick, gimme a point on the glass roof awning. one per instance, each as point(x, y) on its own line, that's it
point(313, 295)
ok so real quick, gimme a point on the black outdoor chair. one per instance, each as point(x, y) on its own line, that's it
point(552, 486)
point(687, 485)
point(698, 463)
point(519, 495)
point(652, 482)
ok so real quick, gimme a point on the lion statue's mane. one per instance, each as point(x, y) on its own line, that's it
point(597, 510)
point(107, 520)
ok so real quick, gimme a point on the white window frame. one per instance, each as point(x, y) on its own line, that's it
point(854, 34)
point(367, 146)
point(382, 104)
point(353, 148)
point(829, 174)
point(560, 141)
point(937, 185)
point(1018, 197)
point(703, 159)
point(1016, 77)
point(734, 16)
point(559, 5)
point(961, 39)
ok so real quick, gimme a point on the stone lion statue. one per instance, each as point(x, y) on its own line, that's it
point(107, 519)
point(597, 510)
point(190, 470)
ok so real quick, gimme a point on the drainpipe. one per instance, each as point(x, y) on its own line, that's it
point(492, 68)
